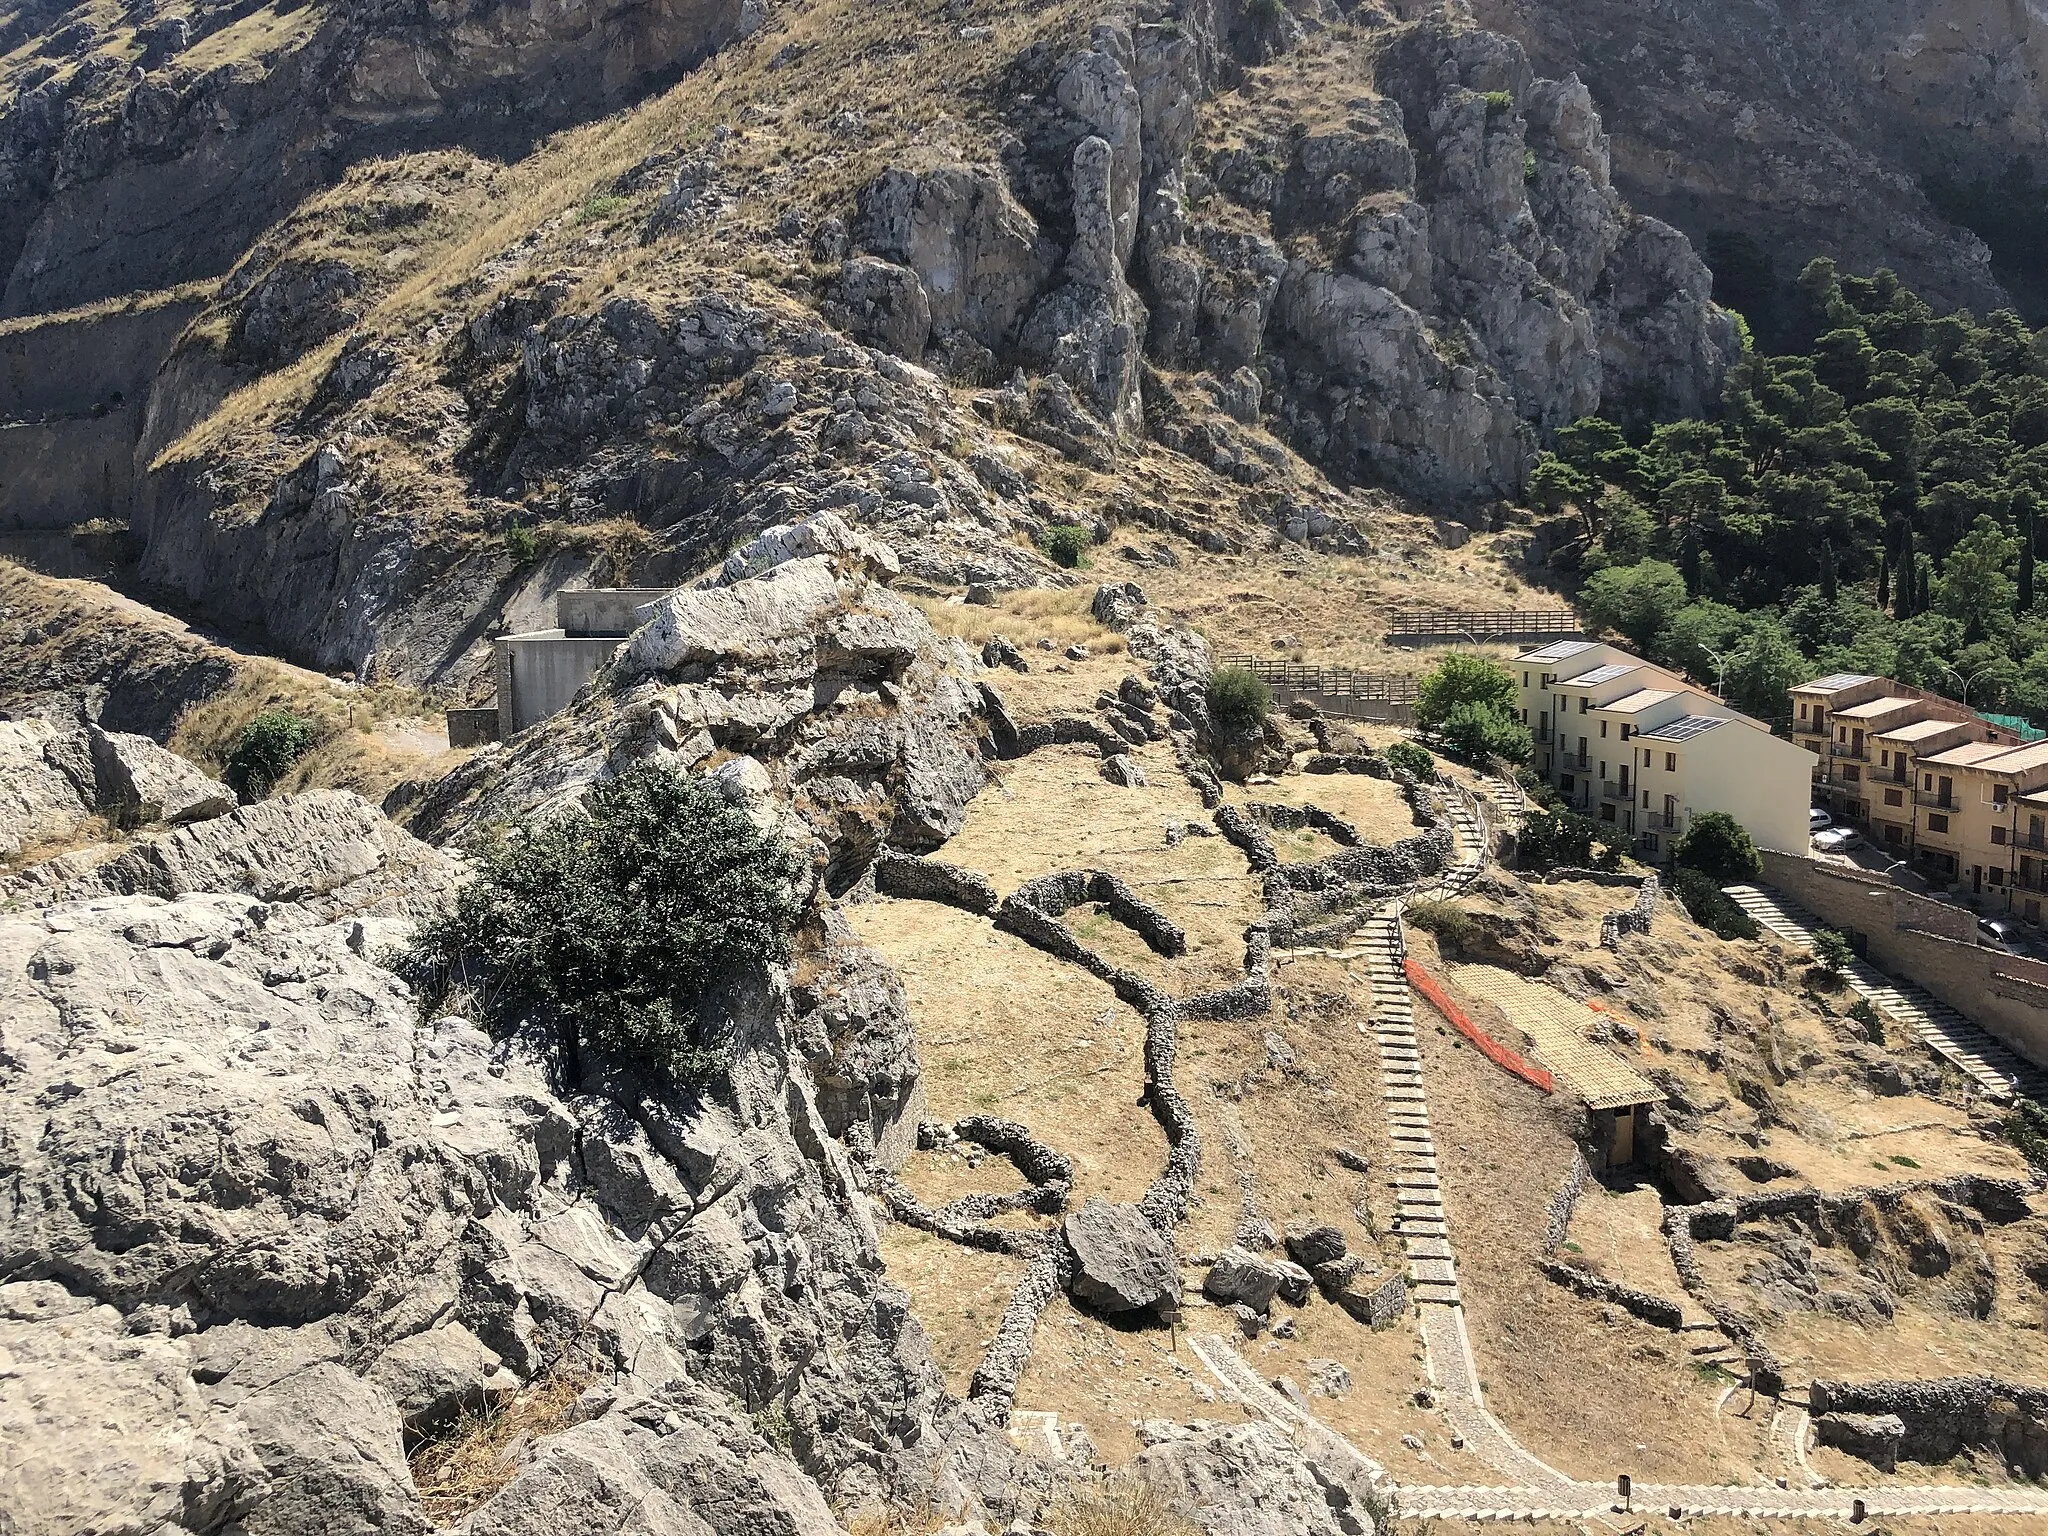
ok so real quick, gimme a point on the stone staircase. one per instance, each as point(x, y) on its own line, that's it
point(1932, 1022)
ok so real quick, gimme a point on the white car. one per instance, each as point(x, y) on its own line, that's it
point(1818, 820)
point(1837, 839)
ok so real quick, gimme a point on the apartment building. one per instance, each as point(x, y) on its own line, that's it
point(1981, 811)
point(1635, 744)
point(1867, 735)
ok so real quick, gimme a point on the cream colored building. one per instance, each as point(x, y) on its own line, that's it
point(1636, 745)
point(1866, 734)
point(1981, 810)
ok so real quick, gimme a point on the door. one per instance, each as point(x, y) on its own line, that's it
point(1624, 1137)
point(1977, 879)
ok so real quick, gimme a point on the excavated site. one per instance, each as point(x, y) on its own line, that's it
point(1157, 1123)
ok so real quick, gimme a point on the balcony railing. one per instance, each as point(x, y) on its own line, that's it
point(1935, 802)
point(1576, 761)
point(1624, 791)
point(1843, 749)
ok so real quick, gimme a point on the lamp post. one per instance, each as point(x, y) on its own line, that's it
point(1967, 682)
point(1720, 672)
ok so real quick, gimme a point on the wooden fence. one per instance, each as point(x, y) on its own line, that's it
point(1383, 697)
point(1482, 624)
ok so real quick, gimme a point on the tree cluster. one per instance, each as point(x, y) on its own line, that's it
point(1868, 506)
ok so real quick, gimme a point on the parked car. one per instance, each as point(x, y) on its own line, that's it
point(1997, 933)
point(1818, 820)
point(1837, 839)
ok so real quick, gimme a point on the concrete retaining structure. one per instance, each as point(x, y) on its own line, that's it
point(1943, 1415)
point(1929, 942)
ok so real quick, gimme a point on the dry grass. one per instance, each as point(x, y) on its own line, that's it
point(1118, 1506)
point(460, 1470)
point(1058, 614)
point(120, 304)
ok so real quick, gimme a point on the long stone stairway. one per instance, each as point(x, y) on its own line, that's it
point(1932, 1022)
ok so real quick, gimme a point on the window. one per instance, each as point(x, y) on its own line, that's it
point(1997, 875)
point(1525, 679)
point(1884, 759)
point(1998, 795)
point(1646, 799)
point(1671, 762)
point(1802, 711)
point(1648, 754)
point(1607, 810)
point(1936, 823)
point(1895, 797)
point(2033, 912)
point(1930, 781)
point(1851, 773)
point(1603, 730)
point(1998, 836)
point(1583, 704)
point(1525, 717)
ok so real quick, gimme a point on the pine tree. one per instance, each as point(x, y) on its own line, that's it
point(1828, 579)
point(1906, 563)
point(2026, 595)
point(1884, 580)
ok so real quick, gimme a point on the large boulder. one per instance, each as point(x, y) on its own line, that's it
point(1253, 1480)
point(139, 781)
point(1122, 1262)
point(1240, 1276)
point(1872, 1437)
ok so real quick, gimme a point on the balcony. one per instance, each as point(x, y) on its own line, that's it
point(1936, 802)
point(1573, 762)
point(1843, 749)
point(1624, 791)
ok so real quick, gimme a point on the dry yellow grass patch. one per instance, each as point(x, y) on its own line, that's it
point(958, 1293)
point(462, 1469)
point(1117, 1506)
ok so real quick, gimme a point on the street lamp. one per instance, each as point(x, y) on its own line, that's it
point(1720, 671)
point(1969, 682)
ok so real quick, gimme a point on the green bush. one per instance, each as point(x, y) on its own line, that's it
point(1066, 544)
point(265, 751)
point(1477, 732)
point(1413, 759)
point(1831, 951)
point(521, 547)
point(1450, 923)
point(1499, 103)
point(1469, 704)
point(2026, 1127)
point(1711, 907)
point(1554, 838)
point(1717, 845)
point(1239, 700)
point(606, 924)
point(1871, 1020)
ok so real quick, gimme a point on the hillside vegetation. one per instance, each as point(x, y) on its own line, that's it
point(1869, 505)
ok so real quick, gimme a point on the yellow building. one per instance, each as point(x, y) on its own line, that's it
point(1636, 745)
point(1865, 734)
point(1981, 810)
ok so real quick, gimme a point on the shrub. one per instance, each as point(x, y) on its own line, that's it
point(1711, 907)
point(1477, 732)
point(1551, 838)
point(521, 547)
point(1413, 759)
point(1449, 922)
point(1831, 951)
point(1121, 1505)
point(2026, 1127)
point(1239, 700)
point(1499, 103)
point(1718, 847)
point(1463, 680)
point(1871, 1020)
point(605, 924)
point(265, 751)
point(1065, 544)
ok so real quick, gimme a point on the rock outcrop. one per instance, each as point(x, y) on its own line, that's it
point(58, 767)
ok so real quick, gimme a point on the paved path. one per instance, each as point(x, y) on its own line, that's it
point(1535, 1490)
point(1936, 1025)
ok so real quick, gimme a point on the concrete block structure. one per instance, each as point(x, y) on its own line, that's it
point(1636, 745)
point(540, 673)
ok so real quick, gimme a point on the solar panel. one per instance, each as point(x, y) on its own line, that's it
point(1684, 728)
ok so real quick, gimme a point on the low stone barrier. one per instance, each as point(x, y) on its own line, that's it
point(1557, 1216)
point(1943, 1415)
point(1632, 919)
point(1651, 1309)
point(917, 878)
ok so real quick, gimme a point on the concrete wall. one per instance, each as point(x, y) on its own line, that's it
point(472, 727)
point(541, 673)
point(1340, 706)
point(1929, 942)
point(604, 610)
point(74, 393)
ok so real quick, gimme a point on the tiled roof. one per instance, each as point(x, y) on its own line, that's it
point(1971, 754)
point(1640, 700)
point(1876, 707)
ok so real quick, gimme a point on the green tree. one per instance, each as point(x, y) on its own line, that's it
point(1554, 484)
point(1764, 666)
point(265, 750)
point(1831, 952)
point(1480, 731)
point(1719, 847)
point(605, 926)
point(1066, 544)
point(1239, 701)
point(1461, 679)
point(1974, 588)
point(1639, 600)
point(1413, 759)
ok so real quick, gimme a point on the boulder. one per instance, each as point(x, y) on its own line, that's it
point(1253, 1480)
point(1295, 1282)
point(1123, 1263)
point(1313, 1245)
point(436, 1375)
point(1872, 1437)
point(1241, 1276)
point(138, 781)
point(1118, 604)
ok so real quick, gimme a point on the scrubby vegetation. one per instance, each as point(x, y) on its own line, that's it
point(1468, 704)
point(1831, 951)
point(1448, 921)
point(1066, 545)
point(1556, 837)
point(265, 751)
point(1719, 847)
point(1870, 505)
point(1239, 700)
point(1711, 907)
point(606, 924)
point(1413, 759)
